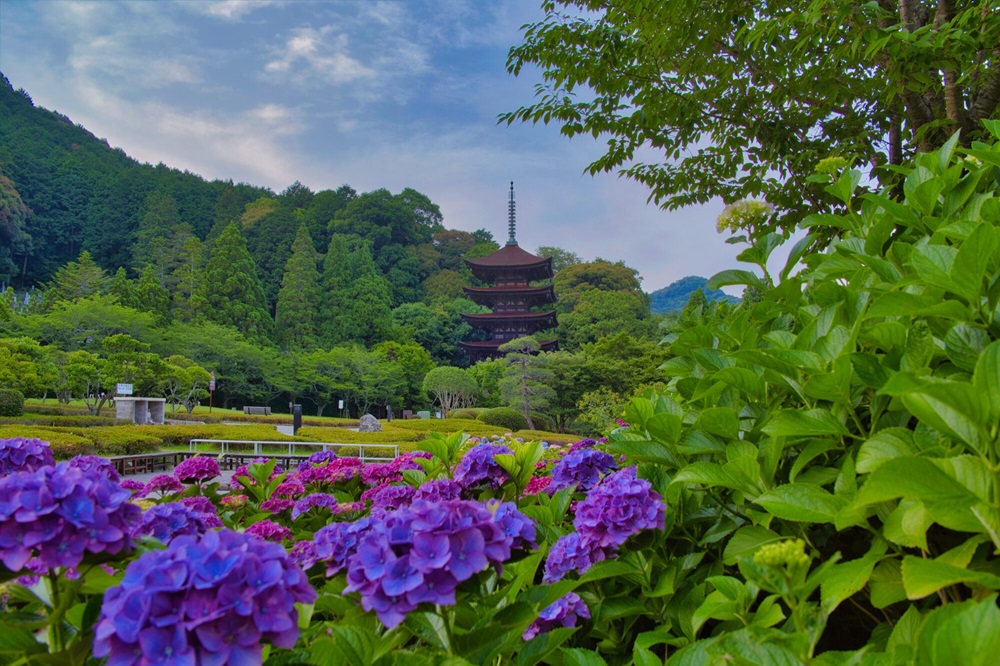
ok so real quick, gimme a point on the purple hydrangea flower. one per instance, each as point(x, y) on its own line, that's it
point(581, 468)
point(103, 465)
point(204, 506)
point(312, 501)
point(163, 484)
point(622, 505)
point(24, 454)
point(57, 514)
point(388, 497)
point(336, 542)
point(439, 490)
point(317, 458)
point(478, 466)
point(269, 531)
point(582, 444)
point(197, 469)
point(170, 520)
point(563, 613)
point(619, 507)
point(213, 599)
point(421, 553)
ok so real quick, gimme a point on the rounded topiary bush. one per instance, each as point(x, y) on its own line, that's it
point(466, 413)
point(11, 402)
point(504, 417)
point(541, 421)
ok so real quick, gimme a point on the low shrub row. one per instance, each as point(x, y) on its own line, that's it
point(64, 444)
point(471, 426)
point(62, 421)
point(389, 435)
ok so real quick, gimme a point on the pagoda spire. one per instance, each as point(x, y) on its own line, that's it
point(511, 219)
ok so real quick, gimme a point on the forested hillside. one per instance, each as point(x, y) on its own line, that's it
point(314, 296)
point(675, 295)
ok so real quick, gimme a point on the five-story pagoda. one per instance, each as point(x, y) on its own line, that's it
point(510, 272)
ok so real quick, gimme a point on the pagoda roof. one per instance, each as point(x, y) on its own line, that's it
point(479, 348)
point(492, 292)
point(509, 316)
point(509, 256)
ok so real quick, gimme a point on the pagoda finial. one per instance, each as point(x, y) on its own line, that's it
point(511, 219)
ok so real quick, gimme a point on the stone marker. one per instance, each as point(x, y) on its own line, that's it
point(369, 424)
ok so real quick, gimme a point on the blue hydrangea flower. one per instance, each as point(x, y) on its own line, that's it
point(60, 513)
point(581, 468)
point(563, 613)
point(214, 599)
point(620, 506)
point(478, 466)
point(103, 465)
point(173, 519)
point(24, 454)
point(420, 553)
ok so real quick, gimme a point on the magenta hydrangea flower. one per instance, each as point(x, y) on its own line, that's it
point(269, 531)
point(197, 469)
point(421, 553)
point(391, 472)
point(581, 468)
point(563, 613)
point(537, 485)
point(333, 472)
point(163, 484)
point(170, 520)
point(478, 466)
point(103, 465)
point(276, 505)
point(132, 485)
point(59, 513)
point(24, 454)
point(214, 599)
point(620, 506)
point(325, 501)
point(289, 488)
point(233, 501)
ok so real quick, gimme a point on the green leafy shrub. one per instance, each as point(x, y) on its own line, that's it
point(854, 406)
point(11, 402)
point(504, 417)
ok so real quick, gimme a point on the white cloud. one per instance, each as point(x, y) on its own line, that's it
point(246, 146)
point(229, 10)
point(323, 54)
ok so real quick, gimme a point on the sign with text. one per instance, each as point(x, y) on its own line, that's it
point(211, 385)
point(124, 389)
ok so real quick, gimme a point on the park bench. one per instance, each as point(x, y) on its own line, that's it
point(259, 411)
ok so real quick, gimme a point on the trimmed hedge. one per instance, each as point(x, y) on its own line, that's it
point(466, 413)
point(470, 426)
point(11, 402)
point(389, 435)
point(560, 438)
point(504, 417)
point(120, 440)
point(62, 421)
point(64, 444)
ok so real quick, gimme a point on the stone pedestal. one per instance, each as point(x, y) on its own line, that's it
point(141, 411)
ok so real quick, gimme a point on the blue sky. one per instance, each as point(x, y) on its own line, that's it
point(394, 94)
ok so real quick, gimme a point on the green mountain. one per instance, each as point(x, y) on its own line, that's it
point(675, 295)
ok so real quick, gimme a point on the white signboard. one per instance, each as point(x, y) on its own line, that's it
point(124, 389)
point(340, 404)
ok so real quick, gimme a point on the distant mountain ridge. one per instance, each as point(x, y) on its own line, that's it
point(675, 295)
